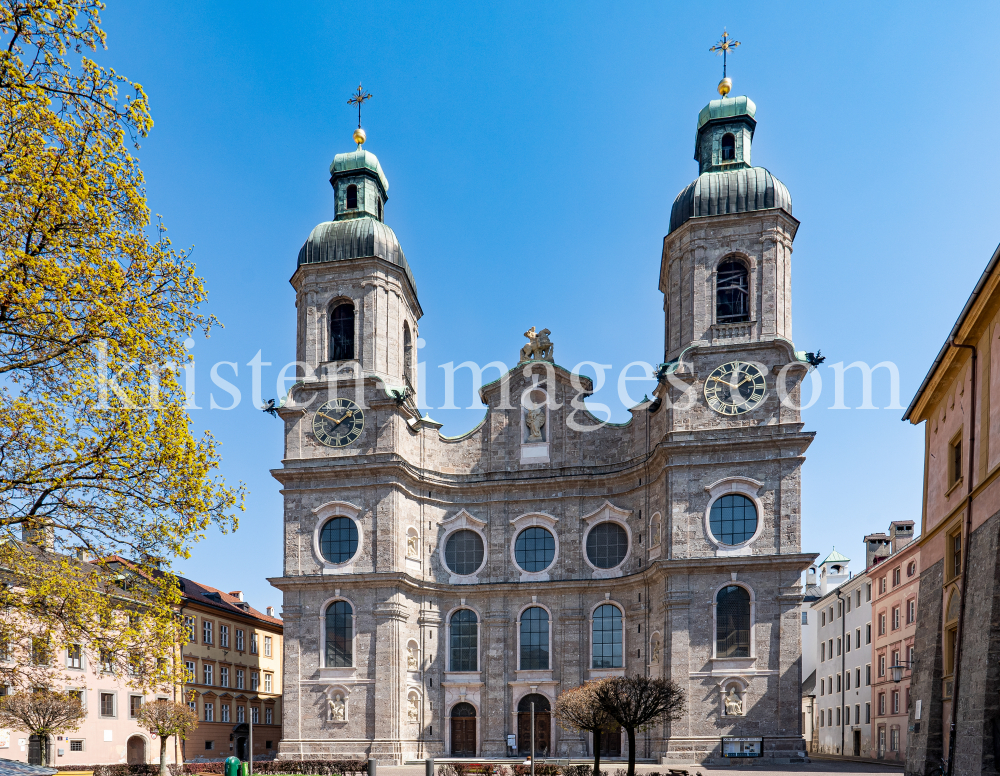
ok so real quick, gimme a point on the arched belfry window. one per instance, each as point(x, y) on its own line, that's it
point(728, 147)
point(407, 354)
point(379, 208)
point(342, 333)
point(732, 622)
point(732, 292)
point(352, 197)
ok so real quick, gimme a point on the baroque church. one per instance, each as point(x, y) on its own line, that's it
point(435, 587)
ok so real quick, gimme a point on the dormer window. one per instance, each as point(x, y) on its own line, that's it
point(352, 197)
point(732, 292)
point(728, 147)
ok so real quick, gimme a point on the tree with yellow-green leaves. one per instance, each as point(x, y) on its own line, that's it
point(100, 470)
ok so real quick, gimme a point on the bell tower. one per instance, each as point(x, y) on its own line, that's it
point(356, 299)
point(725, 271)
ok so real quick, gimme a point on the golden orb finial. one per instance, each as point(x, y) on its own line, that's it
point(360, 136)
point(725, 86)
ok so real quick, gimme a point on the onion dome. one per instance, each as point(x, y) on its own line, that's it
point(727, 183)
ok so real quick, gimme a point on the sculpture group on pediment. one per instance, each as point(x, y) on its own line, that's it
point(539, 347)
point(535, 421)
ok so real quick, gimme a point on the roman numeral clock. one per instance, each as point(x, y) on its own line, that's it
point(735, 388)
point(338, 423)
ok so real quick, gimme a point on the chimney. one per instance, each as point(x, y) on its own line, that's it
point(877, 548)
point(901, 532)
point(237, 594)
point(811, 577)
point(39, 534)
point(270, 611)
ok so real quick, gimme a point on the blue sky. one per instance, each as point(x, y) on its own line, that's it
point(533, 151)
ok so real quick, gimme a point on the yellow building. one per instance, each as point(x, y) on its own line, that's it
point(233, 659)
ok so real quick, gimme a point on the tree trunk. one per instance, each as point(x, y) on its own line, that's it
point(597, 751)
point(43, 750)
point(631, 750)
point(163, 756)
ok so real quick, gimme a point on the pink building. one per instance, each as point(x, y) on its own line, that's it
point(895, 579)
point(109, 734)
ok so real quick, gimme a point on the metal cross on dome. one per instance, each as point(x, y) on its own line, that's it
point(723, 47)
point(358, 98)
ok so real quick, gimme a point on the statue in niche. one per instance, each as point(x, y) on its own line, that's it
point(656, 651)
point(412, 657)
point(539, 347)
point(338, 708)
point(535, 420)
point(411, 547)
point(654, 537)
point(413, 709)
point(734, 704)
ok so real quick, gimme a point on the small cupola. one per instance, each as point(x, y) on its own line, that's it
point(725, 133)
point(360, 187)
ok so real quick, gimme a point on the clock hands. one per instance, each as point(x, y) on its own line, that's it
point(335, 421)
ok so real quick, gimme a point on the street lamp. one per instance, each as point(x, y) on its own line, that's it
point(897, 670)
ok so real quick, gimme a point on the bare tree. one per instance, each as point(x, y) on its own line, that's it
point(42, 713)
point(636, 702)
point(579, 709)
point(165, 718)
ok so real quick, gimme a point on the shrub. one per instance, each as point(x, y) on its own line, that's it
point(121, 769)
point(310, 767)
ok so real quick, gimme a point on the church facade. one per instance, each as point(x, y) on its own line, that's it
point(436, 587)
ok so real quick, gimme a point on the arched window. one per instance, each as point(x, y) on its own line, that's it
point(407, 354)
point(733, 520)
point(464, 641)
point(607, 637)
point(380, 208)
point(338, 541)
point(732, 622)
point(342, 333)
point(732, 292)
point(464, 552)
point(607, 545)
point(352, 197)
point(728, 147)
point(339, 635)
point(534, 639)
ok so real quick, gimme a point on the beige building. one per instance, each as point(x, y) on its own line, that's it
point(233, 660)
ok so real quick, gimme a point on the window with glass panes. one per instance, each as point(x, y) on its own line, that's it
point(608, 634)
point(206, 631)
point(534, 639)
point(464, 647)
point(224, 636)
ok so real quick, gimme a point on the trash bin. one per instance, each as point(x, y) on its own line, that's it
point(232, 766)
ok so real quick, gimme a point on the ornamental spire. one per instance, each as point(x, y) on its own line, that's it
point(722, 48)
point(359, 98)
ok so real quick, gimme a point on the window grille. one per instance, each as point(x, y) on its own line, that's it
point(534, 639)
point(732, 622)
point(339, 635)
point(464, 645)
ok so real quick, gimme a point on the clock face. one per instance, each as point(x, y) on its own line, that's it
point(735, 388)
point(338, 423)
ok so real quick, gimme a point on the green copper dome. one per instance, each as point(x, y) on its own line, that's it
point(726, 108)
point(358, 160)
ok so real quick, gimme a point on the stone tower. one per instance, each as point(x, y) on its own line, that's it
point(750, 223)
point(356, 298)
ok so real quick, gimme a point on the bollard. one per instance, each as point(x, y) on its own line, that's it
point(429, 766)
point(232, 766)
point(372, 766)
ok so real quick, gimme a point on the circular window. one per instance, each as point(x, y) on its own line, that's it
point(534, 549)
point(338, 541)
point(607, 545)
point(733, 519)
point(464, 552)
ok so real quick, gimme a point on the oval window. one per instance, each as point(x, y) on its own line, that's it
point(733, 519)
point(607, 545)
point(338, 541)
point(464, 552)
point(534, 549)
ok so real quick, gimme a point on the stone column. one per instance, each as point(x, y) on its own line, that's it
point(495, 653)
point(389, 687)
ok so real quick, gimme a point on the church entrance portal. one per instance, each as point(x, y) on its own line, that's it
point(611, 741)
point(543, 725)
point(463, 730)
